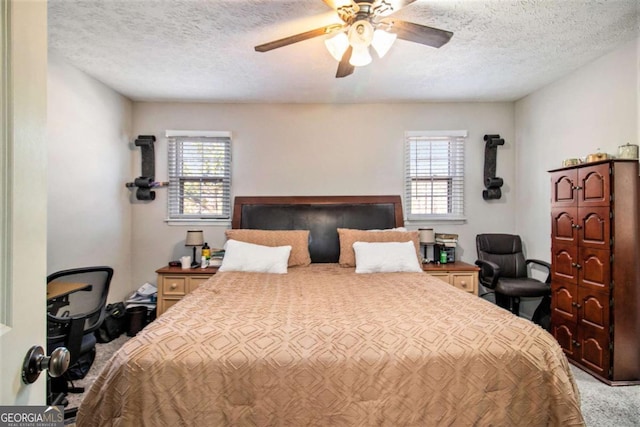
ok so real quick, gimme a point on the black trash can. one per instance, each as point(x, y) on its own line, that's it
point(136, 320)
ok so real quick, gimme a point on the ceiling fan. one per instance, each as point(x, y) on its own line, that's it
point(365, 23)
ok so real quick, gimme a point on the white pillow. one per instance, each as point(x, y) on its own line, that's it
point(386, 257)
point(241, 256)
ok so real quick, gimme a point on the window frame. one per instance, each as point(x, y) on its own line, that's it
point(176, 191)
point(455, 194)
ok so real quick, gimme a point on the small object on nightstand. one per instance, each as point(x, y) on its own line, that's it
point(174, 263)
point(427, 238)
point(194, 238)
point(206, 251)
point(186, 262)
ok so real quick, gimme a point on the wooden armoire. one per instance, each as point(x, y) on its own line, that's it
point(595, 258)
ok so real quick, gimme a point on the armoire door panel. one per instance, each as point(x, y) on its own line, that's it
point(595, 268)
point(564, 298)
point(565, 334)
point(595, 185)
point(563, 225)
point(594, 351)
point(593, 310)
point(564, 191)
point(594, 227)
point(564, 260)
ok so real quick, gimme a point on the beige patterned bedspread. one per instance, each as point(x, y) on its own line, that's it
point(323, 346)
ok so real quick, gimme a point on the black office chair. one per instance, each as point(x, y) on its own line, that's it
point(503, 269)
point(76, 301)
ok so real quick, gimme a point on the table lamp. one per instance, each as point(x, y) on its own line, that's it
point(194, 238)
point(427, 238)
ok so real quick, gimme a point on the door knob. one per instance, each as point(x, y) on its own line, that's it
point(35, 362)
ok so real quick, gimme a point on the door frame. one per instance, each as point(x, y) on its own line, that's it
point(23, 187)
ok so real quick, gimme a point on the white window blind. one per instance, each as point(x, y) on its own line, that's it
point(199, 175)
point(434, 175)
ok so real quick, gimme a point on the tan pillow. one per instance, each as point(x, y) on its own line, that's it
point(298, 239)
point(349, 236)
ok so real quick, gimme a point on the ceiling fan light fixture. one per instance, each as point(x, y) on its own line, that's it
point(382, 41)
point(360, 56)
point(337, 45)
point(360, 33)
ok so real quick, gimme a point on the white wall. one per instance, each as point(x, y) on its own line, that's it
point(89, 214)
point(314, 149)
point(594, 107)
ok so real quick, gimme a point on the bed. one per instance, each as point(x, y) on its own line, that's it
point(323, 345)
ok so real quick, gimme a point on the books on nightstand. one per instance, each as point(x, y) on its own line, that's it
point(447, 240)
point(216, 258)
point(446, 243)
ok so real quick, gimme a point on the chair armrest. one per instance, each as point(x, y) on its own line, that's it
point(489, 273)
point(542, 264)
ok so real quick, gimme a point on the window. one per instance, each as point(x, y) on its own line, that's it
point(434, 175)
point(199, 175)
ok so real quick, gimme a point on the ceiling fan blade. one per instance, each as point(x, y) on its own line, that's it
point(344, 67)
point(419, 33)
point(387, 7)
point(297, 38)
point(337, 4)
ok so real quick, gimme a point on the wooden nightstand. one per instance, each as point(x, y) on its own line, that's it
point(459, 274)
point(175, 282)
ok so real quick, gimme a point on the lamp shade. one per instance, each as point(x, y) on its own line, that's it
point(360, 56)
point(337, 45)
point(427, 236)
point(382, 41)
point(194, 238)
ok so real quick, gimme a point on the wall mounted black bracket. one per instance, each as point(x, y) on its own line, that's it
point(492, 183)
point(146, 182)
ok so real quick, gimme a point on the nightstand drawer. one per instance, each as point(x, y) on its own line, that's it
point(175, 282)
point(466, 282)
point(174, 285)
point(459, 274)
point(194, 282)
point(442, 276)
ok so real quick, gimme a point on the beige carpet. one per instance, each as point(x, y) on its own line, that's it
point(103, 354)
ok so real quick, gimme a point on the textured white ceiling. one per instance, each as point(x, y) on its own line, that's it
point(202, 50)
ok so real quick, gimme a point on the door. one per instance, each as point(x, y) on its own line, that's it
point(564, 191)
point(23, 195)
point(594, 185)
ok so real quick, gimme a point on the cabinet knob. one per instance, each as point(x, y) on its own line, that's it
point(463, 283)
point(173, 286)
point(578, 306)
point(573, 304)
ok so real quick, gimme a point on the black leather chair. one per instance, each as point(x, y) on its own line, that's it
point(504, 269)
point(76, 301)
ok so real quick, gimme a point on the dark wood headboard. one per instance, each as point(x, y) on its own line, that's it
point(321, 215)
